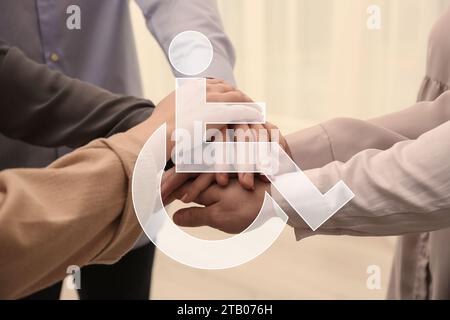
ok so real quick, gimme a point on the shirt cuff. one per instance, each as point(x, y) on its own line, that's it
point(310, 148)
point(323, 180)
point(220, 68)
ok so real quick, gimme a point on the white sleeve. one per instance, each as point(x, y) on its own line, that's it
point(166, 18)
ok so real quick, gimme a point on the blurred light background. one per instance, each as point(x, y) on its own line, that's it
point(315, 59)
point(309, 60)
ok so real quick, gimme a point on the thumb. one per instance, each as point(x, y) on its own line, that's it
point(193, 217)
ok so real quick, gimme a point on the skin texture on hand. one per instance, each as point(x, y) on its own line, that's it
point(172, 180)
point(217, 91)
point(230, 205)
point(230, 209)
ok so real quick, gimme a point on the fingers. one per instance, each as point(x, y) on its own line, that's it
point(222, 177)
point(219, 88)
point(200, 184)
point(220, 91)
point(193, 217)
point(276, 136)
point(227, 96)
point(214, 81)
point(203, 191)
point(179, 194)
point(247, 180)
point(244, 134)
point(262, 135)
point(171, 181)
point(241, 113)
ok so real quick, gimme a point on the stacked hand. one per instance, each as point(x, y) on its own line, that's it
point(230, 209)
point(231, 205)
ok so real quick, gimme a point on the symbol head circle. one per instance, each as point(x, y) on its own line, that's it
point(190, 53)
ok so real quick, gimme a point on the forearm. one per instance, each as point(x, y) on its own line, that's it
point(417, 119)
point(338, 140)
point(44, 107)
point(78, 211)
point(341, 138)
point(404, 189)
point(167, 18)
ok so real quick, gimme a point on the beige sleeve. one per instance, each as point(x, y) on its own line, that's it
point(342, 138)
point(405, 189)
point(400, 183)
point(75, 212)
point(418, 119)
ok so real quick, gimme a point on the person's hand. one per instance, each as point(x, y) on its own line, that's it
point(230, 209)
point(171, 180)
point(216, 91)
point(253, 133)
